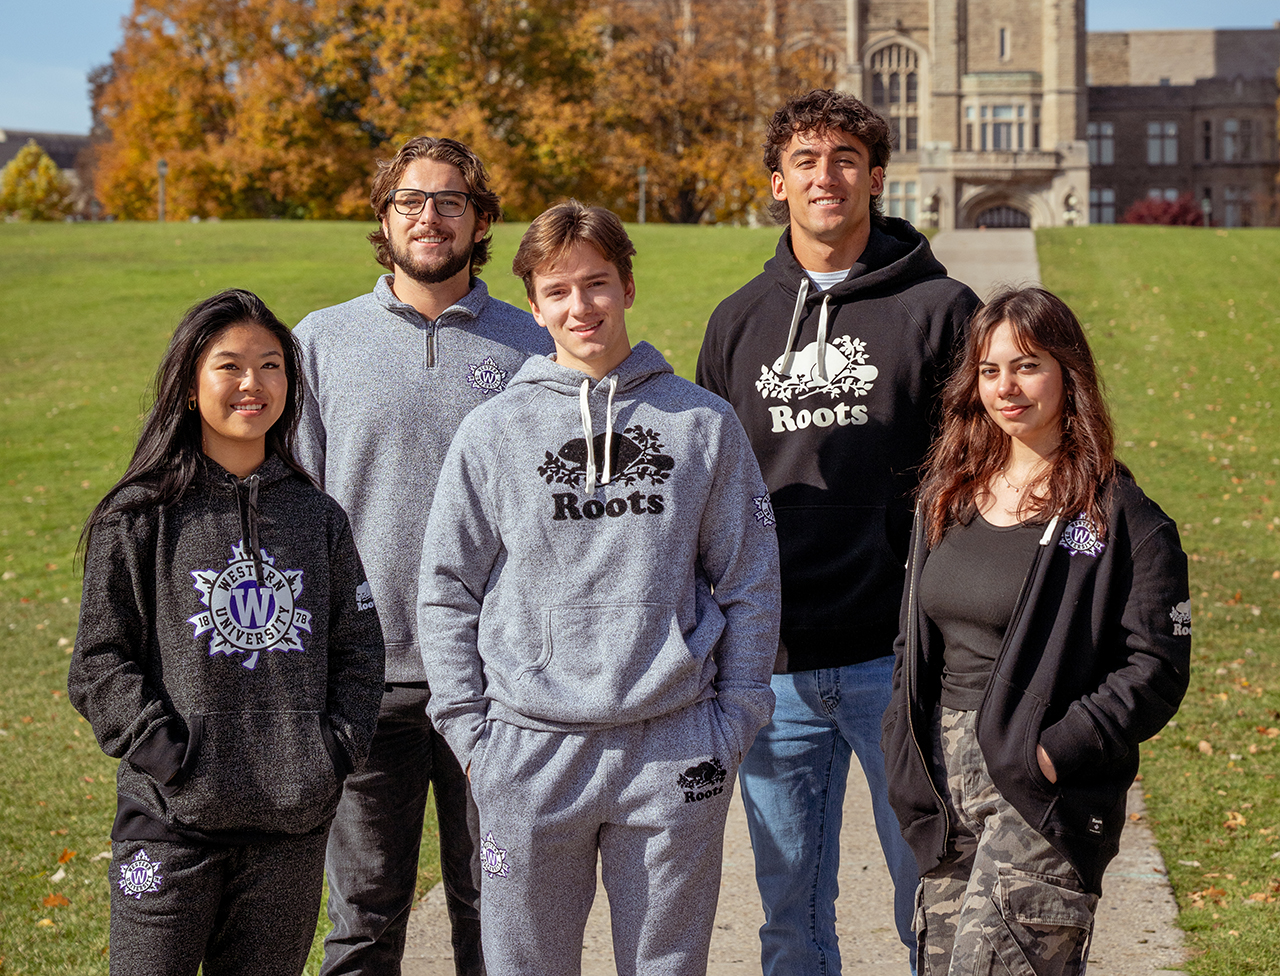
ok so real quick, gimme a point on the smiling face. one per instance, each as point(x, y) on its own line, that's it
point(582, 301)
point(241, 388)
point(426, 247)
point(1023, 392)
point(827, 181)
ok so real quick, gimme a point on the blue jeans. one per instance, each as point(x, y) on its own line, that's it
point(793, 781)
point(372, 860)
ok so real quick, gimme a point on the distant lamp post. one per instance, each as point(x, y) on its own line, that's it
point(643, 174)
point(1206, 206)
point(162, 168)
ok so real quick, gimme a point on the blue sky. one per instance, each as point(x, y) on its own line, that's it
point(43, 60)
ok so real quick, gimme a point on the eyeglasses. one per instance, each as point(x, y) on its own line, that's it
point(449, 203)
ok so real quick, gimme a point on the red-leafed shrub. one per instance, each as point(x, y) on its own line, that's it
point(1182, 212)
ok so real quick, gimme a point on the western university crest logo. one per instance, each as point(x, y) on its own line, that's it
point(487, 377)
point(797, 376)
point(247, 617)
point(1081, 536)
point(141, 876)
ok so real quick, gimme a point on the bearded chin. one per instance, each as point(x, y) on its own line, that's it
point(433, 274)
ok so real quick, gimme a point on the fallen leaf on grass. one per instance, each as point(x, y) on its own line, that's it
point(59, 832)
point(1205, 748)
point(56, 900)
point(66, 855)
point(1261, 896)
point(45, 923)
point(1234, 820)
point(58, 875)
point(1270, 733)
point(1212, 894)
point(101, 856)
point(1190, 864)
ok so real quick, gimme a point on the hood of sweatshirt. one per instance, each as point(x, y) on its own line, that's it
point(642, 364)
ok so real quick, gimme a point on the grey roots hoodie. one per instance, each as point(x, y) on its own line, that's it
point(238, 691)
point(598, 554)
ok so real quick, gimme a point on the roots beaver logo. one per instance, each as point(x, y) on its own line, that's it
point(248, 617)
point(637, 457)
point(842, 368)
point(703, 781)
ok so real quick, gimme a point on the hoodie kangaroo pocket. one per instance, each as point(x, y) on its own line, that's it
point(610, 663)
point(258, 771)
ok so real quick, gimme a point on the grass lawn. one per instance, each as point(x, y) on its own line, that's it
point(1184, 321)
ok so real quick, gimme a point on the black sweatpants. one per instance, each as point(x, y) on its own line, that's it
point(237, 910)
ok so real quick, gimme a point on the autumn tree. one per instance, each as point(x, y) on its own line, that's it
point(686, 89)
point(253, 103)
point(32, 187)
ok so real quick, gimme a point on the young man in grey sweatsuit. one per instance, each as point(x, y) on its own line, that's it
point(600, 574)
point(389, 377)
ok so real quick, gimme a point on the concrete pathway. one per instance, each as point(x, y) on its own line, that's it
point(1134, 934)
point(987, 260)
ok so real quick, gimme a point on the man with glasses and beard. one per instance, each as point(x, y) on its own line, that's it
point(389, 377)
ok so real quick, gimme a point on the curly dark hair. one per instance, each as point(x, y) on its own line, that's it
point(449, 151)
point(971, 448)
point(818, 111)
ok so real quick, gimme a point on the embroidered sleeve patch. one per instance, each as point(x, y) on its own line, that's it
point(1181, 617)
point(364, 596)
point(764, 510)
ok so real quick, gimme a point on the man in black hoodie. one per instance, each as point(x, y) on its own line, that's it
point(832, 358)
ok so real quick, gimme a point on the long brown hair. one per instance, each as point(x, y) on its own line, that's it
point(971, 448)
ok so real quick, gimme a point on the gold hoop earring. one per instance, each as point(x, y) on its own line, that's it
point(191, 404)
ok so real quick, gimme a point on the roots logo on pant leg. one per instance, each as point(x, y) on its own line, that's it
point(703, 781)
point(247, 617)
point(141, 876)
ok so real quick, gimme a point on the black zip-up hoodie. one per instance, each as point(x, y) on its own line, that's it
point(1095, 659)
point(230, 654)
point(836, 391)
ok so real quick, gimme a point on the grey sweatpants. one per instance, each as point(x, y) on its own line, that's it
point(651, 798)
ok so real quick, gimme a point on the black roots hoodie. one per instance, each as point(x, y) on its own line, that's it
point(836, 390)
point(230, 654)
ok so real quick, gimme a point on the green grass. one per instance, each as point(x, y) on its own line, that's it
point(1185, 323)
point(1190, 315)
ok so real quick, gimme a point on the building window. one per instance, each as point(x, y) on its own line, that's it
point(902, 199)
point(895, 93)
point(1169, 193)
point(1102, 205)
point(1162, 143)
point(1004, 43)
point(1102, 143)
point(1230, 140)
point(1208, 140)
point(1237, 207)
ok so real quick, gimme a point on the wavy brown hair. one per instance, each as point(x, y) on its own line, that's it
point(450, 151)
point(971, 449)
point(554, 233)
point(817, 111)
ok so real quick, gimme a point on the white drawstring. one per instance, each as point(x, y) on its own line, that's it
point(1048, 532)
point(822, 338)
point(784, 364)
point(608, 431)
point(584, 407)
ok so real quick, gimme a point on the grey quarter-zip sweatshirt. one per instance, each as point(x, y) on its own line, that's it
point(386, 390)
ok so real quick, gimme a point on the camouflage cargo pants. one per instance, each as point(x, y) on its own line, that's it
point(1004, 901)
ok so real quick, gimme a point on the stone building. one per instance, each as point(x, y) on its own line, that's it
point(1008, 113)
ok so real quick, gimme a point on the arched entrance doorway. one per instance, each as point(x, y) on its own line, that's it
point(1002, 216)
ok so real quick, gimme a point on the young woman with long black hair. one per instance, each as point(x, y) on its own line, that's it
point(228, 654)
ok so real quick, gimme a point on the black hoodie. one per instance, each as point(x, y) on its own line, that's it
point(238, 691)
point(840, 446)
